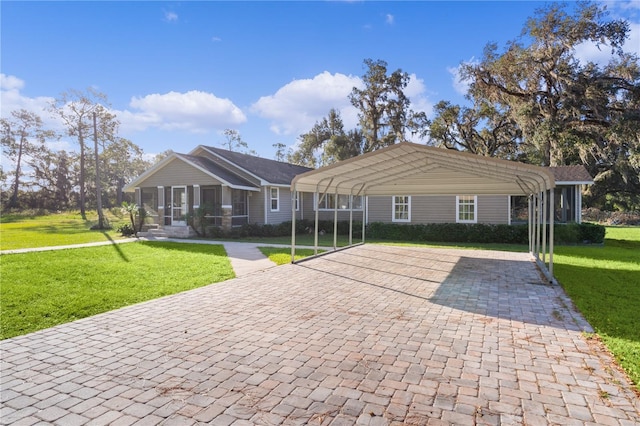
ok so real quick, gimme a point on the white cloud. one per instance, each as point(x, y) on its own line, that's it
point(417, 94)
point(589, 52)
point(298, 105)
point(460, 85)
point(170, 16)
point(193, 111)
point(12, 99)
point(389, 19)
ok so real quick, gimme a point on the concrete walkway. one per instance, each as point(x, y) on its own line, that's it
point(372, 335)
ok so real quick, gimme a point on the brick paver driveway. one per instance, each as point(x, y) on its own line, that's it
point(368, 335)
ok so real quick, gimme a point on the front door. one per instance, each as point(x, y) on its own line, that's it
point(179, 206)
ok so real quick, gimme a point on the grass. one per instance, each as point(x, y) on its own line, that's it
point(302, 240)
point(28, 231)
point(281, 256)
point(43, 289)
point(604, 284)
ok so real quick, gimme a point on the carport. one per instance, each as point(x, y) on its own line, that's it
point(411, 169)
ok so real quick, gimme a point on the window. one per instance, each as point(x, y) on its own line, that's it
point(297, 200)
point(466, 209)
point(328, 203)
point(402, 208)
point(275, 197)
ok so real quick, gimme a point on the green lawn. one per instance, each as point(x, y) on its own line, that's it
point(21, 231)
point(43, 289)
point(281, 256)
point(604, 284)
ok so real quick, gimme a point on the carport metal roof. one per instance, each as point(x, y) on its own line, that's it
point(411, 169)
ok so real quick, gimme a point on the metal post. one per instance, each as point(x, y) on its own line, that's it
point(551, 219)
point(335, 220)
point(315, 231)
point(293, 224)
point(544, 226)
point(351, 218)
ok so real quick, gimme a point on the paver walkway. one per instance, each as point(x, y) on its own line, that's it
point(369, 335)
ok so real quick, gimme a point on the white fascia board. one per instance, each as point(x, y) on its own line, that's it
point(224, 182)
point(575, 182)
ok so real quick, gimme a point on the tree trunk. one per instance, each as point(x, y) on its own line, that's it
point(16, 186)
point(98, 184)
point(81, 140)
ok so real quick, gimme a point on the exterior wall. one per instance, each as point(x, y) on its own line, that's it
point(492, 209)
point(178, 172)
point(284, 206)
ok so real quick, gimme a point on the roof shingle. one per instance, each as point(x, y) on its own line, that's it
point(571, 174)
point(271, 171)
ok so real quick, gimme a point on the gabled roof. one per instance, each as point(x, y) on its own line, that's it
point(576, 175)
point(411, 169)
point(268, 171)
point(215, 170)
point(203, 164)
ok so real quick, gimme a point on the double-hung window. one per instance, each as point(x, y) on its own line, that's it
point(275, 199)
point(402, 208)
point(466, 209)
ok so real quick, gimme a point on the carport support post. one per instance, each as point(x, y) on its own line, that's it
point(351, 217)
point(293, 224)
point(551, 219)
point(335, 220)
point(538, 220)
point(529, 222)
point(315, 231)
point(545, 207)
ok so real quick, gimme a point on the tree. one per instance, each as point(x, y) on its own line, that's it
point(569, 112)
point(122, 161)
point(55, 175)
point(481, 129)
point(76, 109)
point(234, 142)
point(327, 143)
point(384, 110)
point(280, 151)
point(23, 136)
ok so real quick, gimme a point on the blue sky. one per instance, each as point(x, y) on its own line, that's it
point(177, 74)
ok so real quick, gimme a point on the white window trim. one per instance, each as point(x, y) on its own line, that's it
point(393, 209)
point(296, 200)
point(277, 199)
point(475, 209)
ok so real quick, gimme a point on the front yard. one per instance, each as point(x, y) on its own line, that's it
point(43, 289)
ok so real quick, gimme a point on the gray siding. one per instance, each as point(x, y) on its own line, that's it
point(284, 206)
point(493, 209)
point(177, 172)
point(441, 209)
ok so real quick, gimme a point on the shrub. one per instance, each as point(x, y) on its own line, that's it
point(126, 230)
point(482, 233)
